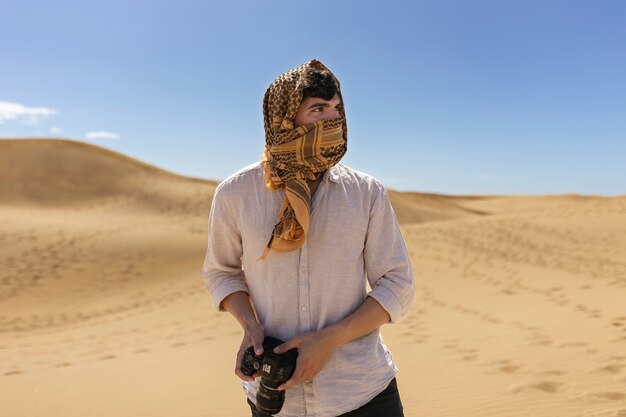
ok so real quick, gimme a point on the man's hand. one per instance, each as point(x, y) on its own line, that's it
point(238, 304)
point(252, 336)
point(314, 350)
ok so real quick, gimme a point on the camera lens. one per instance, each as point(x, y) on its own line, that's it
point(269, 400)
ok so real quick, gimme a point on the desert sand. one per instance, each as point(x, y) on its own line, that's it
point(520, 307)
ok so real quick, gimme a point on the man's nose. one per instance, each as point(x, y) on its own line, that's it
point(330, 115)
point(334, 114)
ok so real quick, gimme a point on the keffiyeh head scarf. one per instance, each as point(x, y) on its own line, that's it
point(294, 155)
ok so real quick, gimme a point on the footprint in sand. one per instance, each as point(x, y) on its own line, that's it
point(557, 372)
point(612, 368)
point(106, 357)
point(590, 312)
point(619, 322)
point(63, 364)
point(469, 354)
point(16, 372)
point(610, 396)
point(546, 386)
point(465, 354)
point(538, 338)
point(573, 344)
point(606, 413)
point(506, 366)
point(509, 369)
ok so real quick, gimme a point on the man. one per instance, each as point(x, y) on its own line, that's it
point(294, 239)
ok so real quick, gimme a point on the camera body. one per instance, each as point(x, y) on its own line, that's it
point(274, 370)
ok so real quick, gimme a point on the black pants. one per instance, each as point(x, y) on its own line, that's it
point(385, 404)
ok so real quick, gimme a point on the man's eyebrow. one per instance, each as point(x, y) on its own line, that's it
point(320, 104)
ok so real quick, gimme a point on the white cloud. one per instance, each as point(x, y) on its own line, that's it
point(30, 115)
point(55, 130)
point(102, 134)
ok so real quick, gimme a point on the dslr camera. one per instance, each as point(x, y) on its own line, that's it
point(274, 370)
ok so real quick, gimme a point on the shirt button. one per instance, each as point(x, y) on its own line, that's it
point(304, 308)
point(303, 269)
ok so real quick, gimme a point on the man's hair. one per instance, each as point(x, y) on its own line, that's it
point(320, 84)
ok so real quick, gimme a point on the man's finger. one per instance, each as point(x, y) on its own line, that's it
point(242, 376)
point(294, 380)
point(287, 345)
point(238, 371)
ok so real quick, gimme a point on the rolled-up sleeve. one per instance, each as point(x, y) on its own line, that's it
point(222, 269)
point(387, 261)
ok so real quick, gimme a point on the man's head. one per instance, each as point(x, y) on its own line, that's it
point(305, 135)
point(303, 95)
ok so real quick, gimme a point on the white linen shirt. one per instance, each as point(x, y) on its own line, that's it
point(354, 239)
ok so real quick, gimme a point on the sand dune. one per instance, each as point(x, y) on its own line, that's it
point(57, 173)
point(520, 308)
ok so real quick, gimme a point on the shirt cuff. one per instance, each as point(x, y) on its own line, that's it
point(226, 288)
point(388, 301)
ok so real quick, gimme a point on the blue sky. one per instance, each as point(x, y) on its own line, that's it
point(456, 97)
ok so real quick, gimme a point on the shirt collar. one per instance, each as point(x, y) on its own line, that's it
point(333, 174)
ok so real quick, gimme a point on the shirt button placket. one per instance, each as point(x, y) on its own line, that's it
point(305, 317)
point(305, 308)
